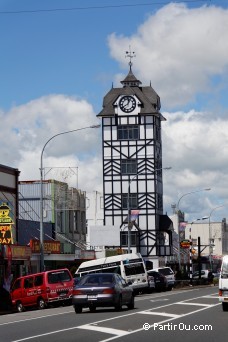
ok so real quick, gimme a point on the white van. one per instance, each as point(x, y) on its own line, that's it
point(169, 274)
point(223, 284)
point(130, 266)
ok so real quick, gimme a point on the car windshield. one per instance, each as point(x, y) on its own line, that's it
point(97, 280)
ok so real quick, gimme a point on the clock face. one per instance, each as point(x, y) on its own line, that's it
point(127, 104)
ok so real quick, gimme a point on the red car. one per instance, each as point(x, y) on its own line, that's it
point(41, 289)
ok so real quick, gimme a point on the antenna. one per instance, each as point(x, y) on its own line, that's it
point(130, 54)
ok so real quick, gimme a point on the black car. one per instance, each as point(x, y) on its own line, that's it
point(160, 280)
point(102, 290)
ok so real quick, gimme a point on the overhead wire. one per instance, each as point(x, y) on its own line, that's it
point(97, 7)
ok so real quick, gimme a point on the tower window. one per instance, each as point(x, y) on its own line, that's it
point(129, 166)
point(124, 238)
point(133, 201)
point(128, 132)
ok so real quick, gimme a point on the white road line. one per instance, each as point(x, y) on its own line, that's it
point(165, 314)
point(111, 331)
point(38, 317)
point(197, 304)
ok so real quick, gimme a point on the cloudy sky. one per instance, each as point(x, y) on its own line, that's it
point(58, 60)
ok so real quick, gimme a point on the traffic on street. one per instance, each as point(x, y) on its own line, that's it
point(190, 314)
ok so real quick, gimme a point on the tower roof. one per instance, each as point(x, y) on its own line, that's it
point(130, 80)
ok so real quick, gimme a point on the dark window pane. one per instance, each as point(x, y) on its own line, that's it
point(133, 201)
point(129, 166)
point(128, 132)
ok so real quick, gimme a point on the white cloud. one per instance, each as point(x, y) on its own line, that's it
point(25, 130)
point(180, 50)
point(196, 146)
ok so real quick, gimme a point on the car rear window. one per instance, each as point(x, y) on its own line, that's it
point(165, 271)
point(58, 277)
point(97, 280)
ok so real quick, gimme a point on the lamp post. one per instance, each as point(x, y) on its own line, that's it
point(42, 194)
point(128, 205)
point(210, 235)
point(178, 222)
point(190, 247)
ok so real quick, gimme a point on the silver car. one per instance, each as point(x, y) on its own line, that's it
point(102, 290)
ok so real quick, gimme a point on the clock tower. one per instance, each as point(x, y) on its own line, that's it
point(132, 167)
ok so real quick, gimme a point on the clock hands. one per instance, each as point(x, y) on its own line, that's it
point(127, 104)
point(128, 101)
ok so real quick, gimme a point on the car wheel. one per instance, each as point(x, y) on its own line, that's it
point(78, 309)
point(19, 307)
point(92, 308)
point(41, 304)
point(131, 305)
point(118, 306)
point(169, 288)
point(225, 306)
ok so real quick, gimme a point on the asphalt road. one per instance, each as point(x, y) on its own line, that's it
point(194, 314)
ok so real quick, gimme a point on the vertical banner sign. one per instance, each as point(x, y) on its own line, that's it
point(134, 215)
point(182, 226)
point(6, 223)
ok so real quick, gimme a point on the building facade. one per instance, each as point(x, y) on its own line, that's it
point(132, 167)
point(64, 220)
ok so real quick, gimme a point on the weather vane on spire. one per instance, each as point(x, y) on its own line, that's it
point(130, 54)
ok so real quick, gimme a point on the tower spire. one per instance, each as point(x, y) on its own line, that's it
point(130, 54)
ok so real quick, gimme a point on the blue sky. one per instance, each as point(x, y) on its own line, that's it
point(57, 65)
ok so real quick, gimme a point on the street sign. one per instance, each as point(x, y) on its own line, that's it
point(185, 244)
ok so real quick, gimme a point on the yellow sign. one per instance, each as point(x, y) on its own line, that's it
point(5, 225)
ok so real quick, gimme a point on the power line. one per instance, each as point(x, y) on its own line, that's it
point(95, 7)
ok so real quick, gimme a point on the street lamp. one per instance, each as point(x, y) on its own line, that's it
point(178, 223)
point(128, 205)
point(190, 247)
point(42, 194)
point(210, 237)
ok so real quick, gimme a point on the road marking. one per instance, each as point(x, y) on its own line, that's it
point(161, 322)
point(38, 317)
point(159, 314)
point(159, 300)
point(197, 304)
point(111, 331)
point(212, 296)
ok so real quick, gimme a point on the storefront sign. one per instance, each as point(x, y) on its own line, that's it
point(5, 225)
point(87, 255)
point(18, 252)
point(50, 247)
point(185, 244)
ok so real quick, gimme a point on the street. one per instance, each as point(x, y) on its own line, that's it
point(189, 314)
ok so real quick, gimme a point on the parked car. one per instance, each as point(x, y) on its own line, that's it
point(169, 274)
point(102, 290)
point(41, 289)
point(206, 275)
point(159, 280)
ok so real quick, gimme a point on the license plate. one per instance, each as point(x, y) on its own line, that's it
point(225, 293)
point(62, 295)
point(92, 297)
